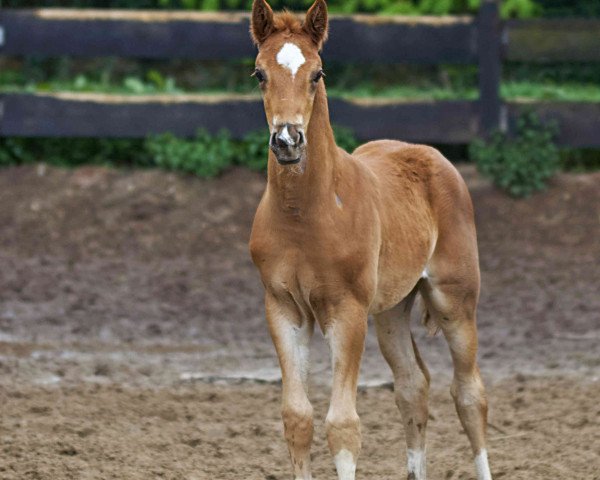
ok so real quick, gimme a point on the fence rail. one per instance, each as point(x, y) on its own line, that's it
point(220, 36)
point(96, 115)
point(541, 41)
point(482, 40)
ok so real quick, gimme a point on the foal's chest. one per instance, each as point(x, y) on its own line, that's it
point(315, 274)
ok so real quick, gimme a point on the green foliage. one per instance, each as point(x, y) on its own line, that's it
point(510, 8)
point(204, 155)
point(531, 156)
point(519, 8)
point(71, 152)
point(253, 151)
point(566, 8)
point(435, 7)
point(521, 165)
point(561, 81)
point(12, 152)
point(208, 155)
point(345, 138)
point(580, 160)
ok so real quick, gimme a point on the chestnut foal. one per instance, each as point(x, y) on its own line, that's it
point(338, 237)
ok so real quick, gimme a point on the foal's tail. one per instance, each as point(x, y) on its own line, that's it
point(427, 318)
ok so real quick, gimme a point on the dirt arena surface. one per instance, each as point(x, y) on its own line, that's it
point(129, 312)
point(235, 432)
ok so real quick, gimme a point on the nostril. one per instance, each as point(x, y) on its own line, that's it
point(294, 134)
point(278, 141)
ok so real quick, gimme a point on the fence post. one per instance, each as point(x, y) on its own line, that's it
point(2, 41)
point(489, 43)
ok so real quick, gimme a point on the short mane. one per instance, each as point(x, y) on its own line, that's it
point(287, 22)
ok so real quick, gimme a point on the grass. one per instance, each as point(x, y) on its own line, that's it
point(572, 92)
point(560, 83)
point(510, 90)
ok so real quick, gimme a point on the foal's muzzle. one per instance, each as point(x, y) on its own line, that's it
point(288, 143)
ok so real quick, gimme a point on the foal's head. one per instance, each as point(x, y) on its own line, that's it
point(288, 69)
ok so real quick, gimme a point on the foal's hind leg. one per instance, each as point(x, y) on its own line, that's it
point(451, 300)
point(411, 380)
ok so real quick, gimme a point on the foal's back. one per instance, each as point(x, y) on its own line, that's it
point(410, 170)
point(420, 180)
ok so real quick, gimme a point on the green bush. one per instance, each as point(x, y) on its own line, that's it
point(520, 165)
point(204, 155)
point(253, 151)
point(71, 152)
point(345, 138)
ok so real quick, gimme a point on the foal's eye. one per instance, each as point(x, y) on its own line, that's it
point(260, 76)
point(318, 76)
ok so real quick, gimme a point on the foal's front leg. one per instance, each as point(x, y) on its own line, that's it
point(291, 335)
point(346, 336)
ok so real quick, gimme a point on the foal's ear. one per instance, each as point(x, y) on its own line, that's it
point(261, 25)
point(316, 23)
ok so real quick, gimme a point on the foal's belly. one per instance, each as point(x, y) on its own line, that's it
point(317, 287)
point(401, 265)
point(392, 289)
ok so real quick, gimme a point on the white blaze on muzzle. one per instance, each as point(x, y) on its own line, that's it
point(284, 136)
point(290, 56)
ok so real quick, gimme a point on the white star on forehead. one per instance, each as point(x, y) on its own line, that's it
point(290, 56)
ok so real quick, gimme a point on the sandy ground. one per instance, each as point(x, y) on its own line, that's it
point(543, 428)
point(129, 312)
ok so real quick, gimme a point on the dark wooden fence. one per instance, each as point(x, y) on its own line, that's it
point(484, 40)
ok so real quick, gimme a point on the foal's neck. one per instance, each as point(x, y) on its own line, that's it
point(298, 188)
